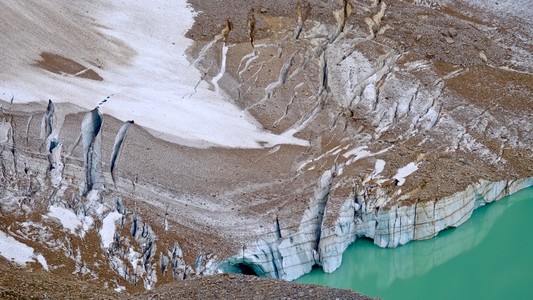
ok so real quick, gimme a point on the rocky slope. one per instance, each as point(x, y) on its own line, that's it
point(388, 120)
point(24, 284)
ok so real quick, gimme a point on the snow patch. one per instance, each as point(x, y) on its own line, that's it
point(14, 250)
point(333, 151)
point(378, 167)
point(69, 220)
point(119, 288)
point(20, 253)
point(107, 233)
point(358, 152)
point(404, 172)
point(42, 261)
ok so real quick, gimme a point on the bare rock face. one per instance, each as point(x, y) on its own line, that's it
point(388, 120)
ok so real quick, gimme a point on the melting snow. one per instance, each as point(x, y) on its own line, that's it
point(120, 288)
point(69, 220)
point(359, 153)
point(15, 250)
point(333, 151)
point(18, 252)
point(42, 261)
point(160, 89)
point(404, 172)
point(378, 168)
point(107, 233)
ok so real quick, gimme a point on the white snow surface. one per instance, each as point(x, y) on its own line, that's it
point(403, 172)
point(119, 288)
point(378, 167)
point(107, 232)
point(69, 220)
point(358, 152)
point(18, 252)
point(159, 89)
point(40, 258)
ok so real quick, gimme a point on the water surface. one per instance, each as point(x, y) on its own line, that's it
point(488, 257)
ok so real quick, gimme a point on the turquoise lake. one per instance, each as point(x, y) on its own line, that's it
point(488, 257)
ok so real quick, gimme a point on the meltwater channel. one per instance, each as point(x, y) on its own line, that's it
point(488, 257)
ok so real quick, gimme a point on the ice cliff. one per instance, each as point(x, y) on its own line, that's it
point(332, 223)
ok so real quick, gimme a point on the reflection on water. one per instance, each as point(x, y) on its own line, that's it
point(490, 255)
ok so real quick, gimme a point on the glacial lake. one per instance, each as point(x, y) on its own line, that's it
point(488, 257)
